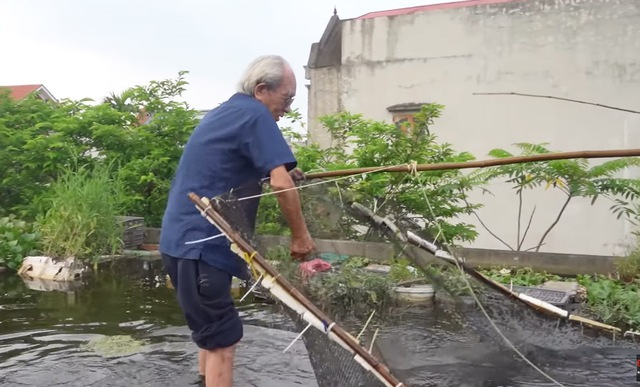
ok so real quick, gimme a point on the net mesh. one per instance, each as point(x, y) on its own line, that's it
point(333, 365)
point(408, 338)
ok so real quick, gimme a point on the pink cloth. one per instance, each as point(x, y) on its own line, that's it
point(310, 268)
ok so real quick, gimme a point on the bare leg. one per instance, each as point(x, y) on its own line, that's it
point(202, 361)
point(219, 367)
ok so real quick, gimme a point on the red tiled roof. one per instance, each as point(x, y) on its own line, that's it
point(430, 7)
point(18, 92)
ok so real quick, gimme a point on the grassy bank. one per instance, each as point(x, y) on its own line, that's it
point(348, 288)
point(79, 219)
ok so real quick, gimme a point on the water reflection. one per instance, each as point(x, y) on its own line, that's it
point(42, 334)
point(454, 345)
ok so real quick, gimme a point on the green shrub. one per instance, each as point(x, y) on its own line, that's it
point(629, 266)
point(612, 301)
point(81, 220)
point(524, 276)
point(17, 240)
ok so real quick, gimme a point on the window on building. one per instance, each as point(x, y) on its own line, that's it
point(403, 121)
point(402, 115)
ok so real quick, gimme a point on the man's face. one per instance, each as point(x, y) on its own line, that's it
point(279, 100)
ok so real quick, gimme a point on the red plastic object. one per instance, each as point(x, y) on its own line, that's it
point(310, 268)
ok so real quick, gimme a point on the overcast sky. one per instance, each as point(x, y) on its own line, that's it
point(89, 48)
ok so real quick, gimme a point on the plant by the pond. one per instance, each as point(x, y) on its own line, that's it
point(347, 290)
point(353, 291)
point(402, 270)
point(142, 129)
point(520, 276)
point(613, 301)
point(17, 240)
point(81, 221)
point(629, 266)
point(616, 301)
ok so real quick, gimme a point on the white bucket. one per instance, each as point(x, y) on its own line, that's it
point(415, 293)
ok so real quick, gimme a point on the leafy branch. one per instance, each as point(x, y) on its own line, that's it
point(575, 178)
point(358, 142)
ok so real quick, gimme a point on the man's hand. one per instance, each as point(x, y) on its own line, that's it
point(302, 246)
point(289, 201)
point(297, 174)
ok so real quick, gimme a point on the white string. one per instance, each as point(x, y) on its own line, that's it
point(204, 239)
point(373, 339)
point(251, 288)
point(297, 337)
point(328, 329)
point(284, 190)
point(475, 297)
point(316, 183)
point(365, 325)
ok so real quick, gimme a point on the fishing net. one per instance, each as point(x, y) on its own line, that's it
point(333, 364)
point(472, 332)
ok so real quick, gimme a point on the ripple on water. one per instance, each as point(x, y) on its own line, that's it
point(43, 333)
point(472, 354)
point(43, 341)
point(158, 362)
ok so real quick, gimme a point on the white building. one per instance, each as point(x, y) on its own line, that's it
point(580, 49)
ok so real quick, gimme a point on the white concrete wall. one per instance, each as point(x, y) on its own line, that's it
point(580, 49)
point(324, 98)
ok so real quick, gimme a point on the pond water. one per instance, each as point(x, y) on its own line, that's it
point(46, 336)
point(449, 344)
point(55, 338)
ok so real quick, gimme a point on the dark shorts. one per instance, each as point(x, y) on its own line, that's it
point(204, 294)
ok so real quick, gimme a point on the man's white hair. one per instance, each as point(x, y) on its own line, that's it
point(267, 69)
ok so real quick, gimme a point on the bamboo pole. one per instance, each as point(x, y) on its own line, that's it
point(539, 305)
point(534, 303)
point(481, 163)
point(421, 243)
point(257, 258)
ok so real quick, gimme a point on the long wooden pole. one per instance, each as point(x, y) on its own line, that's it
point(225, 228)
point(407, 236)
point(532, 302)
point(481, 163)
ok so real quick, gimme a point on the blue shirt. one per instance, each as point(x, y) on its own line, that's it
point(234, 147)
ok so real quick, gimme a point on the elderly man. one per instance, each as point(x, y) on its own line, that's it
point(236, 146)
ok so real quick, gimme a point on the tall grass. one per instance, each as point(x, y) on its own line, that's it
point(81, 219)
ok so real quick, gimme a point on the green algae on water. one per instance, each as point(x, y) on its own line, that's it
point(111, 346)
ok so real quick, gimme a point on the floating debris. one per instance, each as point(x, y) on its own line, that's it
point(114, 346)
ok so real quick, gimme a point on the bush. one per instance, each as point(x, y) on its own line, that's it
point(39, 141)
point(17, 240)
point(613, 302)
point(81, 220)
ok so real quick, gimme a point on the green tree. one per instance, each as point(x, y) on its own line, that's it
point(39, 140)
point(575, 178)
point(148, 151)
point(358, 142)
